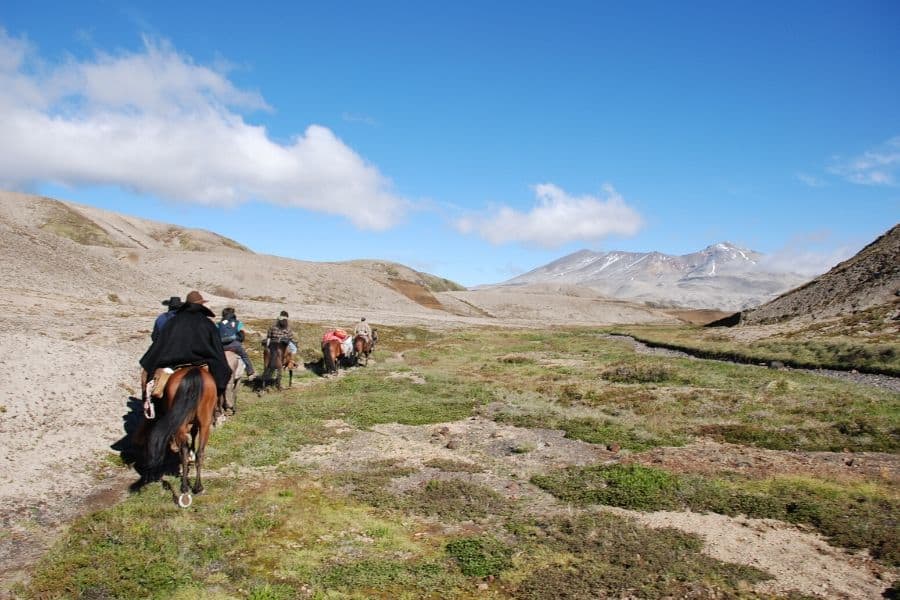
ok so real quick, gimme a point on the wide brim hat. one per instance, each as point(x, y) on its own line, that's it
point(195, 298)
point(173, 302)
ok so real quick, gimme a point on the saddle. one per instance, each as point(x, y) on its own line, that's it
point(156, 387)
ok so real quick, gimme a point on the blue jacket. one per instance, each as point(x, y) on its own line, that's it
point(160, 322)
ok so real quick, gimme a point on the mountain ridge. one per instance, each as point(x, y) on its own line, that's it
point(722, 275)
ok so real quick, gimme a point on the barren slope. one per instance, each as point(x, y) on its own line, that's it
point(868, 279)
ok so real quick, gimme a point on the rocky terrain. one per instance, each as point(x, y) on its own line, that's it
point(722, 276)
point(869, 279)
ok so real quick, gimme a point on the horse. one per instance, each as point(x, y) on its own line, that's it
point(276, 358)
point(362, 346)
point(228, 401)
point(186, 416)
point(332, 351)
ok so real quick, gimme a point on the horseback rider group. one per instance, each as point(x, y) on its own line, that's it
point(186, 335)
point(185, 361)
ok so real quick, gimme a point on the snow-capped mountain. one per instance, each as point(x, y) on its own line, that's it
point(723, 276)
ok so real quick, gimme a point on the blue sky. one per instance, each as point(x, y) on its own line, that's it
point(473, 140)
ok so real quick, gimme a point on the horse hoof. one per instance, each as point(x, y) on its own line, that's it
point(185, 500)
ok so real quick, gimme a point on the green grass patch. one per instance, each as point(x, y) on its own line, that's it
point(480, 556)
point(266, 430)
point(370, 484)
point(626, 486)
point(855, 436)
point(456, 500)
point(365, 399)
point(815, 350)
point(638, 373)
point(589, 429)
point(68, 222)
point(599, 390)
point(238, 539)
point(605, 556)
point(452, 499)
point(861, 516)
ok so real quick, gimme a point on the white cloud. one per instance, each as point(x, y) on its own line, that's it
point(810, 255)
point(879, 166)
point(556, 219)
point(155, 122)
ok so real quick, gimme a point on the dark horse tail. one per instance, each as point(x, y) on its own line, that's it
point(187, 397)
point(329, 357)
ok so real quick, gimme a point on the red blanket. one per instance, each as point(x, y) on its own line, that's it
point(335, 334)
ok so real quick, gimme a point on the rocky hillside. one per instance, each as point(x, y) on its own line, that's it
point(869, 279)
point(722, 276)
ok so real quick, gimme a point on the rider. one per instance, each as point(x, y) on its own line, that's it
point(231, 332)
point(280, 331)
point(362, 328)
point(174, 303)
point(190, 337)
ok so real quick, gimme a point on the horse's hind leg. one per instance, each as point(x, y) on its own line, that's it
point(198, 461)
point(185, 466)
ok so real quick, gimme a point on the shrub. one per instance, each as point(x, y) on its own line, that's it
point(480, 556)
point(626, 486)
point(637, 373)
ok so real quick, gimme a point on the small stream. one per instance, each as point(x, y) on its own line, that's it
point(885, 382)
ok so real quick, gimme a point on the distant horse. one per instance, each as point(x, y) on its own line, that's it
point(276, 358)
point(332, 352)
point(228, 401)
point(362, 347)
point(185, 418)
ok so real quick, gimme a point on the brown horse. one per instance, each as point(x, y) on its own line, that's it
point(332, 352)
point(185, 418)
point(362, 346)
point(276, 358)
